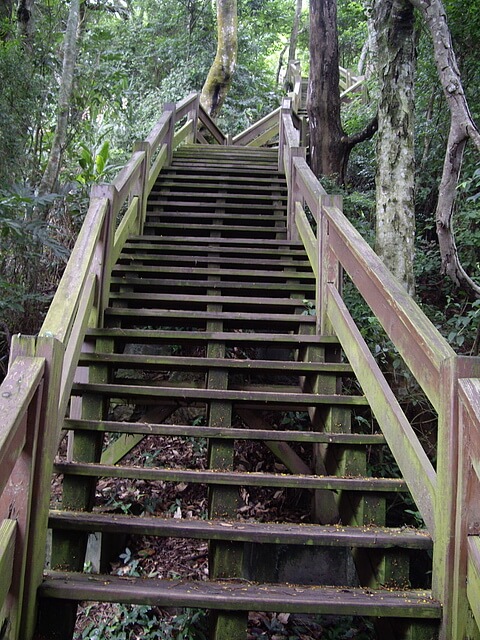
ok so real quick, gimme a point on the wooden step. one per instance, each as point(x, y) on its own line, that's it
point(251, 274)
point(225, 433)
point(305, 291)
point(273, 397)
point(245, 531)
point(279, 243)
point(175, 301)
point(190, 319)
point(209, 258)
point(179, 363)
point(240, 595)
point(233, 478)
point(143, 336)
point(165, 184)
point(174, 194)
point(159, 245)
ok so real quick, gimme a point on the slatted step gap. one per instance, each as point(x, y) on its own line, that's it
point(234, 478)
point(203, 260)
point(240, 595)
point(274, 397)
point(225, 433)
point(243, 531)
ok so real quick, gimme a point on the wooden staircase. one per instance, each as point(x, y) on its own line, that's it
point(211, 333)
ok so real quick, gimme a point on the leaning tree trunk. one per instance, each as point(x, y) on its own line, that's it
point(462, 128)
point(221, 72)
point(50, 175)
point(395, 180)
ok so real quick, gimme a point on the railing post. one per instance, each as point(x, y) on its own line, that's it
point(16, 502)
point(141, 187)
point(328, 267)
point(170, 107)
point(103, 266)
point(193, 115)
point(446, 494)
point(49, 426)
point(285, 109)
point(292, 154)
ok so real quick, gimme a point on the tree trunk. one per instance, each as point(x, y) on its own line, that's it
point(462, 128)
point(50, 175)
point(292, 47)
point(395, 180)
point(330, 147)
point(25, 24)
point(323, 100)
point(221, 72)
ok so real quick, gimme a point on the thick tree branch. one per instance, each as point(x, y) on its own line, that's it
point(462, 129)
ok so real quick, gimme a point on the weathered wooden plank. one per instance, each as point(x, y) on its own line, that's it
point(16, 393)
point(180, 362)
point(127, 177)
point(216, 242)
point(246, 531)
point(226, 432)
point(285, 274)
point(307, 236)
point(165, 283)
point(185, 393)
point(418, 342)
point(409, 454)
point(241, 595)
point(199, 337)
point(171, 314)
point(61, 313)
point(8, 530)
point(128, 224)
point(270, 302)
point(74, 345)
point(182, 134)
point(247, 136)
point(226, 478)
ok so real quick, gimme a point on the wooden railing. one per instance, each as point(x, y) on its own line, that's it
point(36, 391)
point(334, 246)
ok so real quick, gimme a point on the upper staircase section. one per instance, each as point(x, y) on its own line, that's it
point(203, 299)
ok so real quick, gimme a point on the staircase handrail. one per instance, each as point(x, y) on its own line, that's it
point(260, 132)
point(334, 245)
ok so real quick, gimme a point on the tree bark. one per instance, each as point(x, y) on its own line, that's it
point(462, 128)
point(25, 24)
point(221, 72)
point(395, 179)
point(52, 169)
point(323, 99)
point(330, 147)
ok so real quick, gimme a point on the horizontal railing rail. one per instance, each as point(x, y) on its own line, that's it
point(335, 247)
point(261, 132)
